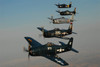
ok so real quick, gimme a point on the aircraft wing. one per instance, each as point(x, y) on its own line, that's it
point(32, 42)
point(57, 60)
point(41, 29)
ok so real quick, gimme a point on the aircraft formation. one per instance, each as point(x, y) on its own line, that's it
point(50, 50)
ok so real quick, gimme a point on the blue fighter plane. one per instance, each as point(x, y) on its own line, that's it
point(49, 50)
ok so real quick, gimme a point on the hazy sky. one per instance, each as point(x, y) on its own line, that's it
point(19, 18)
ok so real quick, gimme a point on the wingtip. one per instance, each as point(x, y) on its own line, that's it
point(66, 64)
point(38, 27)
point(25, 37)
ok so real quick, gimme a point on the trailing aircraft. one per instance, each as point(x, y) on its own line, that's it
point(49, 50)
point(64, 5)
point(58, 33)
point(67, 12)
point(62, 20)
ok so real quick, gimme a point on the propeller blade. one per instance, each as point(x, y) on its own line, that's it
point(26, 50)
point(74, 50)
point(29, 48)
point(28, 56)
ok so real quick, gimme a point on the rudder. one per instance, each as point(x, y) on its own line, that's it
point(70, 43)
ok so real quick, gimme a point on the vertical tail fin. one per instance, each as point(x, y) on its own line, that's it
point(74, 11)
point(70, 43)
point(71, 27)
point(72, 18)
point(70, 4)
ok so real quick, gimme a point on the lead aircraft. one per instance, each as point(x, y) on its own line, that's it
point(49, 50)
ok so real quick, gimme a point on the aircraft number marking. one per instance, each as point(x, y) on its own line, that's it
point(49, 48)
point(70, 43)
point(60, 50)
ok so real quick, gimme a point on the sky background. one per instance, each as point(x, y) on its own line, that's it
point(20, 18)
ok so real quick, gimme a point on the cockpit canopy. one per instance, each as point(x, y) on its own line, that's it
point(57, 29)
point(62, 17)
point(49, 44)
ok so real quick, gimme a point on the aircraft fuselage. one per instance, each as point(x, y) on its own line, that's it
point(61, 20)
point(64, 6)
point(49, 49)
point(57, 33)
point(67, 13)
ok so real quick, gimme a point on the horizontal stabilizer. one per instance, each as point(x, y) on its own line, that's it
point(58, 11)
point(74, 32)
point(74, 50)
